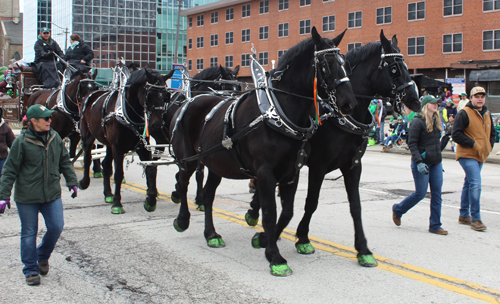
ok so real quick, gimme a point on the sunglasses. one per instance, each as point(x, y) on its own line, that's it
point(46, 118)
point(46, 33)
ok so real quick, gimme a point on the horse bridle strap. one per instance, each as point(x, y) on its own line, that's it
point(348, 123)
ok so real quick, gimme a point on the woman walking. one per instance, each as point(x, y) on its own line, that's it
point(424, 142)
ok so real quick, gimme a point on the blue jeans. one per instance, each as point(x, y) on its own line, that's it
point(471, 192)
point(2, 162)
point(28, 214)
point(435, 180)
point(391, 139)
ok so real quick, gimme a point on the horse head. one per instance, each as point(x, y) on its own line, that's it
point(229, 75)
point(87, 84)
point(157, 98)
point(394, 71)
point(332, 79)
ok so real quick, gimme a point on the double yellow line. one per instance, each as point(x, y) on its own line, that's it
point(459, 286)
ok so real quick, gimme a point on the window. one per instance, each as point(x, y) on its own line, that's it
point(190, 22)
point(200, 20)
point(354, 19)
point(199, 42)
point(214, 40)
point(416, 46)
point(494, 88)
point(281, 53)
point(416, 10)
point(245, 35)
point(190, 64)
point(214, 17)
point(229, 37)
point(283, 5)
point(329, 23)
point(384, 15)
point(199, 64)
point(229, 62)
point(351, 46)
point(245, 60)
point(214, 62)
point(264, 58)
point(264, 7)
point(305, 27)
point(190, 43)
point(491, 5)
point(491, 40)
point(229, 14)
point(283, 30)
point(305, 2)
point(452, 43)
point(452, 7)
point(245, 11)
point(264, 32)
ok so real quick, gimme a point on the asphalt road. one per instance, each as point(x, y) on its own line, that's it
point(138, 257)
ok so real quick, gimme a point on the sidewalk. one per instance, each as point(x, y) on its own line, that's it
point(493, 158)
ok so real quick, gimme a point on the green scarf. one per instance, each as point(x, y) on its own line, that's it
point(74, 44)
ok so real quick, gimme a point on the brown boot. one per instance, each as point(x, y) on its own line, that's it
point(44, 267)
point(390, 146)
point(440, 231)
point(384, 149)
point(464, 220)
point(477, 225)
point(395, 219)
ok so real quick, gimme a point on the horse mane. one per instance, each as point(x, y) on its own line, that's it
point(363, 53)
point(208, 73)
point(139, 77)
point(298, 50)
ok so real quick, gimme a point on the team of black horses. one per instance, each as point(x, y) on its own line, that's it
point(311, 110)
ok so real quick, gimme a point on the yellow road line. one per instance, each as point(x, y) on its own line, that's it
point(430, 277)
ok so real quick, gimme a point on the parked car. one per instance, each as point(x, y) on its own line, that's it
point(389, 108)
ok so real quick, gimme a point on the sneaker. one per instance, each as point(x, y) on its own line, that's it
point(33, 279)
point(464, 220)
point(384, 149)
point(44, 267)
point(477, 225)
point(395, 219)
point(440, 231)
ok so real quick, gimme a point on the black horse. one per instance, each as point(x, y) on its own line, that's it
point(270, 144)
point(377, 69)
point(141, 103)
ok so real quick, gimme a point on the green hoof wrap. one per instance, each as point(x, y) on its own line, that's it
point(201, 208)
point(305, 248)
point(177, 228)
point(117, 210)
point(251, 221)
point(149, 208)
point(216, 243)
point(123, 181)
point(282, 270)
point(367, 260)
point(175, 199)
point(108, 199)
point(255, 241)
point(97, 174)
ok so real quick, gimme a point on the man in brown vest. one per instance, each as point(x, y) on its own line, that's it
point(474, 134)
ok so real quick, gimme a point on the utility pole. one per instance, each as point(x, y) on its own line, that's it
point(66, 31)
point(178, 25)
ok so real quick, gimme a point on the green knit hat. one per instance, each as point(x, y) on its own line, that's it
point(429, 99)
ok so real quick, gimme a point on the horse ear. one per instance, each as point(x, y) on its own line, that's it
point(386, 44)
point(236, 70)
point(336, 40)
point(169, 75)
point(93, 76)
point(223, 72)
point(316, 37)
point(394, 41)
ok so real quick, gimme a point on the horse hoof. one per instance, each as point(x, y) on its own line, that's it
point(250, 221)
point(255, 241)
point(97, 174)
point(305, 248)
point(177, 228)
point(282, 270)
point(117, 210)
point(216, 243)
point(83, 185)
point(108, 199)
point(174, 198)
point(201, 208)
point(367, 260)
point(123, 181)
point(149, 208)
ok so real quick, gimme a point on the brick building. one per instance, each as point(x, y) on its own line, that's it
point(11, 32)
point(440, 39)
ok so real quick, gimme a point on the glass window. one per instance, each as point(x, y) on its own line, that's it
point(245, 60)
point(214, 61)
point(305, 27)
point(264, 7)
point(305, 2)
point(264, 32)
point(214, 17)
point(283, 30)
point(494, 88)
point(264, 58)
point(245, 35)
point(190, 43)
point(416, 46)
point(452, 43)
point(190, 22)
point(329, 23)
point(199, 64)
point(283, 5)
point(229, 14)
point(200, 20)
point(214, 40)
point(416, 10)
point(229, 37)
point(354, 19)
point(229, 61)
point(190, 64)
point(351, 46)
point(384, 15)
point(281, 53)
point(452, 7)
point(199, 42)
point(491, 40)
point(491, 5)
point(245, 11)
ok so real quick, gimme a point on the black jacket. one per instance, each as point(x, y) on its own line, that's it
point(42, 49)
point(81, 51)
point(420, 141)
point(462, 122)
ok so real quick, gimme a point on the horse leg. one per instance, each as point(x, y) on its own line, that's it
point(151, 171)
point(213, 239)
point(118, 156)
point(97, 165)
point(181, 223)
point(315, 181)
point(107, 171)
point(351, 182)
point(199, 184)
point(87, 158)
point(74, 138)
point(252, 215)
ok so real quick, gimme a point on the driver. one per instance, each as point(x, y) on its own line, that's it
point(45, 65)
